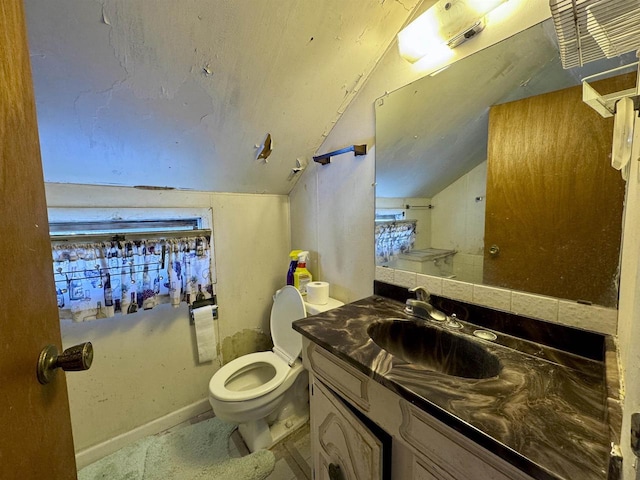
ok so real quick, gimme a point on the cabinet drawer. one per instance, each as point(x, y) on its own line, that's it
point(342, 377)
point(444, 454)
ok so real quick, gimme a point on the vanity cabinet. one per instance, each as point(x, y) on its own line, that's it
point(342, 446)
point(423, 448)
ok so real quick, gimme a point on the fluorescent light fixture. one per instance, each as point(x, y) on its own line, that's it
point(447, 22)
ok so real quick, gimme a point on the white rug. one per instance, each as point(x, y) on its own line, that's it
point(195, 452)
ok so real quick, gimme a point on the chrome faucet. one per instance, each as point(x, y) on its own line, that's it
point(421, 307)
point(422, 293)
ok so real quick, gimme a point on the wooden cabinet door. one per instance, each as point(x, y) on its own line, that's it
point(36, 440)
point(342, 447)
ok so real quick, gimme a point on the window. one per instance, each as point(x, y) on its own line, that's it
point(122, 266)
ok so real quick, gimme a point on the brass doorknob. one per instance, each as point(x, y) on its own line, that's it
point(78, 357)
point(494, 250)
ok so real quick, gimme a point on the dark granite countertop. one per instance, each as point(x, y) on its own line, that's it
point(545, 412)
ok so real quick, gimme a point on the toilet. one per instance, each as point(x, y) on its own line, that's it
point(266, 393)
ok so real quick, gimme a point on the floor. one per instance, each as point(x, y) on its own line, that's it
point(293, 455)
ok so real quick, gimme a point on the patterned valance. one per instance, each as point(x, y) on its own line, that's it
point(100, 280)
point(394, 238)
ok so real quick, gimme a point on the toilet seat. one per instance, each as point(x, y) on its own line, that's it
point(220, 380)
point(288, 306)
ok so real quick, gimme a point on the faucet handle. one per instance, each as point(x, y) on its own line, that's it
point(422, 293)
point(452, 321)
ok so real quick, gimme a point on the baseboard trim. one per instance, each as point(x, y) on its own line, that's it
point(96, 452)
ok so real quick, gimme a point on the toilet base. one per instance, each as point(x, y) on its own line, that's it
point(291, 414)
point(258, 434)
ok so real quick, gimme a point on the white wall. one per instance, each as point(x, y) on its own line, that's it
point(421, 212)
point(458, 222)
point(145, 365)
point(332, 206)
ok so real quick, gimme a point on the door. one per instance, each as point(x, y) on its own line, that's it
point(565, 220)
point(36, 439)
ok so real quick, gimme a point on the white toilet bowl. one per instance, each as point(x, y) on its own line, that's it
point(266, 393)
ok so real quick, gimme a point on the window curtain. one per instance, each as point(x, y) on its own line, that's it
point(100, 280)
point(394, 238)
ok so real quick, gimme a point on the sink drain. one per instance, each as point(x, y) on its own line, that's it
point(485, 335)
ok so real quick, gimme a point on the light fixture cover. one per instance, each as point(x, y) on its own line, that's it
point(444, 21)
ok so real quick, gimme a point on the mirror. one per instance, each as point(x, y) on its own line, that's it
point(431, 146)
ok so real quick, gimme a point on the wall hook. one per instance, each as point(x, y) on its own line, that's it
point(300, 166)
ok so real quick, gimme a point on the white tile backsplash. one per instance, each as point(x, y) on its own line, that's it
point(589, 317)
point(432, 284)
point(404, 278)
point(384, 274)
point(457, 290)
point(535, 306)
point(492, 297)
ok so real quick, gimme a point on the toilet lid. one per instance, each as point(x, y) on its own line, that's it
point(288, 306)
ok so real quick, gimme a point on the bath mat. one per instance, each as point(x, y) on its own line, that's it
point(195, 452)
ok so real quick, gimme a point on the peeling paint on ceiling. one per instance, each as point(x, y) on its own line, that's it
point(178, 94)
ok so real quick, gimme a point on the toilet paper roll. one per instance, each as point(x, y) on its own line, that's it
point(205, 333)
point(318, 293)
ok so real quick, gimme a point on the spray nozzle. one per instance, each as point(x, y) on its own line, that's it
point(303, 256)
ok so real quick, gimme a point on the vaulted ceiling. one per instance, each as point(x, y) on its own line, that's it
point(183, 93)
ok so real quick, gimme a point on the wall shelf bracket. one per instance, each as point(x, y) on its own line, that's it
point(326, 157)
point(605, 105)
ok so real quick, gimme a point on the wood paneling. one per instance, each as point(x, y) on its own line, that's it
point(36, 439)
point(554, 203)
